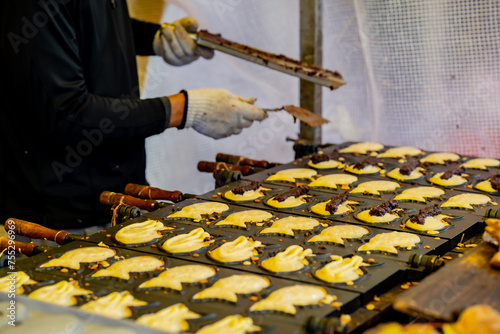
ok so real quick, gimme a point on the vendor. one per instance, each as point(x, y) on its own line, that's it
point(72, 121)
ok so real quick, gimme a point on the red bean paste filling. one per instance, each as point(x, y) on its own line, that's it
point(456, 171)
point(429, 211)
point(294, 192)
point(384, 208)
point(370, 161)
point(336, 201)
point(317, 158)
point(495, 181)
point(409, 167)
point(241, 189)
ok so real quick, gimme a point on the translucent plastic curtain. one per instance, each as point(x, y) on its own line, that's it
point(434, 71)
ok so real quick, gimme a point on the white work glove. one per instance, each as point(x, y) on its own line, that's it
point(173, 44)
point(218, 113)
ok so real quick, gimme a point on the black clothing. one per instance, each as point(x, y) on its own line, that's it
point(71, 121)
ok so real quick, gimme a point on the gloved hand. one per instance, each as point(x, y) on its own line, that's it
point(218, 113)
point(173, 44)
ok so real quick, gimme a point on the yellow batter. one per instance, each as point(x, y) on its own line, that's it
point(73, 258)
point(341, 270)
point(171, 319)
point(172, 278)
point(375, 187)
point(189, 242)
point(232, 324)
point(288, 224)
point(432, 225)
point(415, 174)
point(242, 218)
point(290, 202)
point(363, 148)
point(136, 264)
point(440, 158)
point(367, 218)
point(115, 305)
point(139, 233)
point(338, 233)
point(326, 164)
point(286, 299)
point(249, 195)
point(420, 194)
point(333, 180)
point(20, 279)
point(239, 250)
point(62, 293)
point(481, 163)
point(369, 169)
point(485, 186)
point(229, 287)
point(466, 201)
point(387, 242)
point(291, 259)
point(344, 208)
point(197, 210)
point(455, 180)
point(292, 174)
point(400, 152)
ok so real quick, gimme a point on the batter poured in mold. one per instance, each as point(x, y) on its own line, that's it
point(115, 305)
point(291, 259)
point(332, 181)
point(375, 187)
point(239, 250)
point(390, 242)
point(337, 234)
point(288, 225)
point(293, 174)
point(229, 287)
point(341, 270)
point(363, 148)
point(143, 232)
point(197, 210)
point(242, 218)
point(173, 278)
point(420, 194)
point(172, 319)
point(466, 201)
point(286, 299)
point(61, 293)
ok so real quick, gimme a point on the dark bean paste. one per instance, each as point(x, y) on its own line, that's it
point(317, 158)
point(384, 208)
point(241, 189)
point(429, 211)
point(336, 201)
point(294, 192)
point(455, 171)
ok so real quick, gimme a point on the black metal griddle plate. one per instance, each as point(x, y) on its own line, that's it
point(381, 274)
point(465, 223)
point(387, 164)
point(345, 301)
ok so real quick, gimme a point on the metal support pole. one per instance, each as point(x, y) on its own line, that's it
point(311, 49)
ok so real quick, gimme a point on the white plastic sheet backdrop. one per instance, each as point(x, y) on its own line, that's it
point(419, 73)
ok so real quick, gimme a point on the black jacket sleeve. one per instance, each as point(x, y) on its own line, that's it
point(144, 33)
point(78, 70)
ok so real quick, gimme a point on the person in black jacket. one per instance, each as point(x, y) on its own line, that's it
point(72, 121)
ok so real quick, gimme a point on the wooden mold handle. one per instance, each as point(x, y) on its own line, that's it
point(147, 192)
point(207, 166)
point(35, 231)
point(112, 198)
point(27, 249)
